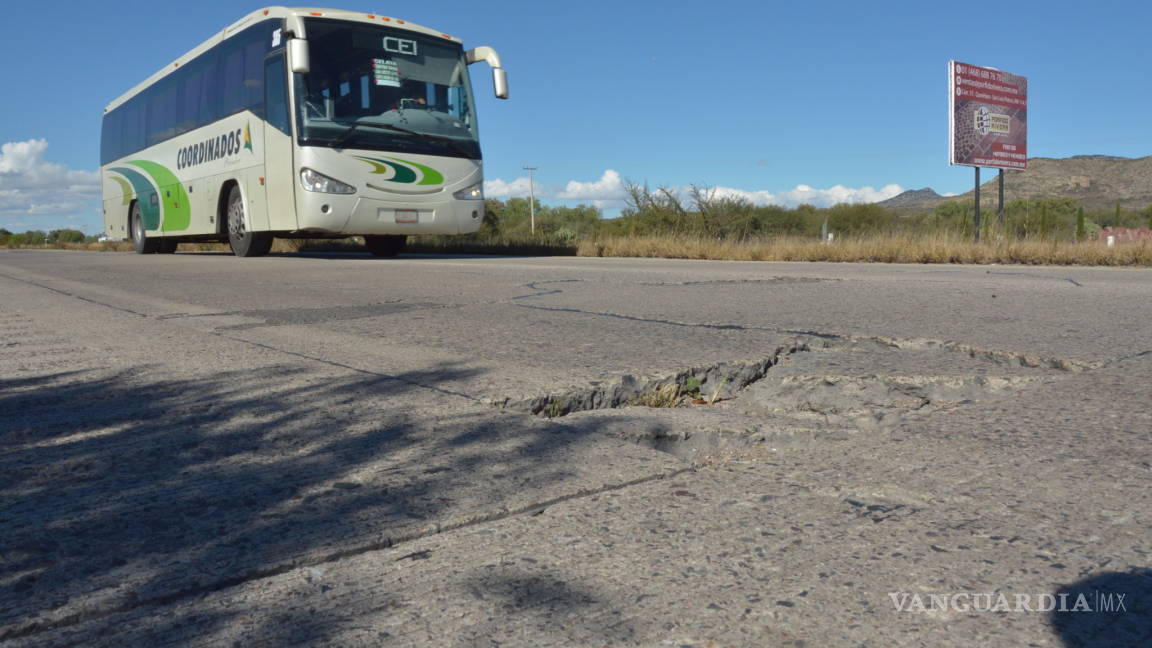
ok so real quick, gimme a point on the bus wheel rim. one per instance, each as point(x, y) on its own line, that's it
point(236, 219)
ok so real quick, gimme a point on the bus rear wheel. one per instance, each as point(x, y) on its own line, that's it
point(140, 240)
point(385, 246)
point(244, 242)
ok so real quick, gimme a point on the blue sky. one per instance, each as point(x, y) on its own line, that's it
point(781, 102)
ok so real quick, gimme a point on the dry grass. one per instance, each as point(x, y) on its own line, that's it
point(885, 249)
point(897, 248)
point(107, 246)
point(668, 395)
point(522, 245)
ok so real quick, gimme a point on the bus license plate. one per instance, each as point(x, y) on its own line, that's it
point(407, 216)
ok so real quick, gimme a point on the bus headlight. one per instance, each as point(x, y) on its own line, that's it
point(321, 183)
point(475, 192)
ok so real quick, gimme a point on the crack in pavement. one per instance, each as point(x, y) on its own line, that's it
point(73, 295)
point(804, 400)
point(534, 508)
point(717, 282)
point(306, 316)
point(341, 365)
point(218, 333)
point(994, 355)
point(628, 389)
point(1026, 360)
point(1036, 276)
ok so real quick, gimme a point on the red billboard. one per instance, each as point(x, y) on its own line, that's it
point(987, 117)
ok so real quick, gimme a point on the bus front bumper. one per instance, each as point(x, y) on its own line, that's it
point(358, 215)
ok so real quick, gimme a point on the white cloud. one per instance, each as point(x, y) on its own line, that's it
point(609, 192)
point(52, 208)
point(760, 198)
point(499, 188)
point(31, 185)
point(837, 194)
point(803, 194)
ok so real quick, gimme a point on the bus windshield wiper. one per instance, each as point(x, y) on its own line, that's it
point(353, 125)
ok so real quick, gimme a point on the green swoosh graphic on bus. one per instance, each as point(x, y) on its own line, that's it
point(431, 176)
point(404, 172)
point(177, 211)
point(125, 189)
point(149, 213)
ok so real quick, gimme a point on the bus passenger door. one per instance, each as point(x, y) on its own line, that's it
point(279, 170)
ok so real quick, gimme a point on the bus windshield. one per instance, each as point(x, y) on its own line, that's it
point(385, 89)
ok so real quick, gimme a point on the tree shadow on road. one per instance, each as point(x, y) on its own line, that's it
point(549, 605)
point(1108, 610)
point(120, 492)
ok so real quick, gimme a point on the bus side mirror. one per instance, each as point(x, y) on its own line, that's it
point(500, 82)
point(298, 58)
point(489, 56)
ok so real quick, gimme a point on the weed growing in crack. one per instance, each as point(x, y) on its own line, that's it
point(667, 395)
point(554, 409)
point(692, 387)
point(716, 393)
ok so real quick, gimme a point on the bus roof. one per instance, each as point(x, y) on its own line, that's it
point(271, 13)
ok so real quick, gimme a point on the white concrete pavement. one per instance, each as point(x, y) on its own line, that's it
point(203, 450)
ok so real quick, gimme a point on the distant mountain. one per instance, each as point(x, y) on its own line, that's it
point(1097, 181)
point(912, 197)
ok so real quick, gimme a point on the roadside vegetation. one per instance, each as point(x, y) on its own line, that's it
point(705, 225)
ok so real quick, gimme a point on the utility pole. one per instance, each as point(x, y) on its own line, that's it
point(531, 197)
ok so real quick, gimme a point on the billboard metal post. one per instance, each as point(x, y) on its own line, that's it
point(977, 218)
point(1000, 202)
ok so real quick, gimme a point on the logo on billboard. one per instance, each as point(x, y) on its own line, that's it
point(987, 121)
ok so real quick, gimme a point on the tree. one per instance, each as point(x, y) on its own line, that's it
point(66, 236)
point(859, 219)
point(774, 219)
point(572, 223)
point(493, 213)
point(31, 237)
point(516, 217)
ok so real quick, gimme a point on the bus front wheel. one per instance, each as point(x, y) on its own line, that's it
point(244, 242)
point(385, 246)
point(140, 240)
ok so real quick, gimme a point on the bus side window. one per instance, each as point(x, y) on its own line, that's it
point(275, 98)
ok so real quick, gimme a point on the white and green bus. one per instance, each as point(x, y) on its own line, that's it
point(299, 123)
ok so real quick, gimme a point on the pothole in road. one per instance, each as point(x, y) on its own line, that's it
point(721, 380)
point(803, 391)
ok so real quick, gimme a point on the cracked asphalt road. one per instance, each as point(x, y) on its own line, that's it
point(295, 450)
